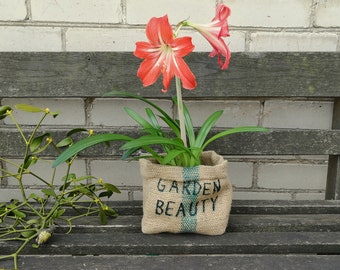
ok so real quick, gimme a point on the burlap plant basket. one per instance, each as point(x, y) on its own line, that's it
point(186, 199)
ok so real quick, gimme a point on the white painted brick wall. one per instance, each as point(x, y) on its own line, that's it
point(235, 113)
point(140, 12)
point(29, 38)
point(110, 112)
point(292, 176)
point(268, 13)
point(311, 114)
point(327, 13)
point(88, 11)
point(12, 10)
point(115, 25)
point(265, 41)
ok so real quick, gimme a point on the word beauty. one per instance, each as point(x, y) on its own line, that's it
point(193, 197)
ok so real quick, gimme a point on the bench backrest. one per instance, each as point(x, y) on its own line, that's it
point(89, 75)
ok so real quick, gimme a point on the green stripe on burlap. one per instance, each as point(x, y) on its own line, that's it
point(189, 200)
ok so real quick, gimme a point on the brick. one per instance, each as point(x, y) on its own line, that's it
point(258, 195)
point(43, 168)
point(16, 38)
point(110, 112)
point(137, 195)
point(285, 41)
point(117, 172)
point(90, 11)
point(236, 113)
point(310, 196)
point(103, 39)
point(327, 13)
point(267, 13)
point(12, 10)
point(71, 111)
point(298, 114)
point(237, 41)
point(240, 174)
point(292, 176)
point(196, 11)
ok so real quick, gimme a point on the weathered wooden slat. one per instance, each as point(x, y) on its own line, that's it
point(237, 223)
point(166, 244)
point(276, 142)
point(194, 262)
point(92, 74)
point(260, 233)
point(254, 207)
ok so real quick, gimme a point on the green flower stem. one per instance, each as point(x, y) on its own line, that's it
point(181, 111)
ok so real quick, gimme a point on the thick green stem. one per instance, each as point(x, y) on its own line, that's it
point(181, 111)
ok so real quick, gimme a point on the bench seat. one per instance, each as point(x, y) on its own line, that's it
point(260, 235)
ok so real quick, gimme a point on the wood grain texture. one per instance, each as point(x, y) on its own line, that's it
point(92, 74)
point(276, 142)
point(284, 234)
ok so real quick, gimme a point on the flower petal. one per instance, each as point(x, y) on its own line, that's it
point(149, 71)
point(159, 31)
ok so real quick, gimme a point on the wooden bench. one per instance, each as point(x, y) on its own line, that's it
point(261, 234)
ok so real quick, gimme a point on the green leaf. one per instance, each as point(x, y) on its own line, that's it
point(49, 192)
point(139, 119)
point(111, 187)
point(107, 194)
point(37, 142)
point(29, 108)
point(33, 221)
point(18, 213)
point(206, 127)
point(59, 213)
point(28, 233)
point(153, 118)
point(103, 217)
point(173, 125)
point(29, 160)
point(54, 114)
point(86, 143)
point(171, 156)
point(69, 177)
point(126, 94)
point(153, 140)
point(3, 111)
point(234, 130)
point(76, 130)
point(65, 142)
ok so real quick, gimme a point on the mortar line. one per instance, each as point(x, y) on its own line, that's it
point(123, 11)
point(312, 16)
point(261, 113)
point(63, 39)
point(255, 178)
point(28, 10)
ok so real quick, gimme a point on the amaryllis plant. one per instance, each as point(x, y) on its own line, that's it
point(163, 55)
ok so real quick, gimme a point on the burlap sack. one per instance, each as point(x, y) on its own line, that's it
point(186, 199)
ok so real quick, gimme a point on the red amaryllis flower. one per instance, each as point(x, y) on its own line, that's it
point(214, 32)
point(163, 54)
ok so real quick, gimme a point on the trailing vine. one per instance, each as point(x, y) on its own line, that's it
point(33, 218)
